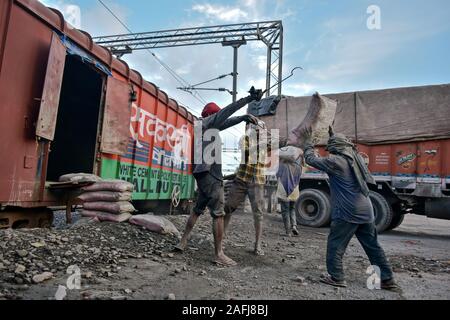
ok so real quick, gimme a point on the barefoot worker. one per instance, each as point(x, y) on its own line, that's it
point(352, 209)
point(251, 178)
point(208, 173)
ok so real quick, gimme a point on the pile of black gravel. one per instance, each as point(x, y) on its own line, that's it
point(100, 248)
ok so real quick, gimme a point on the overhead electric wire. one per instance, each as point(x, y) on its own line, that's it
point(208, 81)
point(173, 73)
point(178, 78)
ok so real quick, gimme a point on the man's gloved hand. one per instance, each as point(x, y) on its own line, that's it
point(250, 119)
point(229, 177)
point(256, 94)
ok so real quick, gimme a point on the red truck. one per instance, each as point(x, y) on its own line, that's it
point(404, 134)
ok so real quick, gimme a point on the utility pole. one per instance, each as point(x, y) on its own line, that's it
point(236, 44)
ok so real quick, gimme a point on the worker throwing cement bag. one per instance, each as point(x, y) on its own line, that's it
point(319, 118)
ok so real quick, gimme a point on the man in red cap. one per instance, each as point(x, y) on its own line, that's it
point(208, 174)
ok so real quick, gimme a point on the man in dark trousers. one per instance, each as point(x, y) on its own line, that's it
point(208, 174)
point(352, 209)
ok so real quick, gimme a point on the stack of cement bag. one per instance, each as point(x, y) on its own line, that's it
point(106, 200)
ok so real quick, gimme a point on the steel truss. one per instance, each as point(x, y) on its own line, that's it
point(235, 35)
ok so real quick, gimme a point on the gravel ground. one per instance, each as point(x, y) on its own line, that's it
point(121, 261)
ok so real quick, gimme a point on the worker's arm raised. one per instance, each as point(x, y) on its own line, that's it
point(325, 164)
point(231, 122)
point(217, 120)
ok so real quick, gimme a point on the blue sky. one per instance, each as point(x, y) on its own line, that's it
point(329, 39)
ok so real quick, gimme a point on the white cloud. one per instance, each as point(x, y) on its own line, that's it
point(71, 12)
point(299, 89)
point(222, 13)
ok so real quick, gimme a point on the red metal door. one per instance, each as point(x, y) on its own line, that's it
point(48, 112)
point(117, 116)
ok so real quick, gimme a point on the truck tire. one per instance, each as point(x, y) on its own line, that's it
point(382, 210)
point(397, 220)
point(313, 208)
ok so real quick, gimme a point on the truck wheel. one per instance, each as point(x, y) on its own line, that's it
point(397, 220)
point(382, 210)
point(313, 208)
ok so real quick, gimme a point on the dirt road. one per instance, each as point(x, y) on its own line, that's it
point(130, 263)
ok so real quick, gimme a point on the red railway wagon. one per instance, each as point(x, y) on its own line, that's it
point(68, 106)
point(403, 133)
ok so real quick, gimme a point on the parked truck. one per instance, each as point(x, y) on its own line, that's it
point(68, 105)
point(404, 135)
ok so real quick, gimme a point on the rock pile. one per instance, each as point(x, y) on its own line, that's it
point(28, 257)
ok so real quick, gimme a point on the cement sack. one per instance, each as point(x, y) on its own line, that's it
point(110, 185)
point(155, 224)
point(79, 178)
point(110, 207)
point(319, 118)
point(105, 196)
point(105, 216)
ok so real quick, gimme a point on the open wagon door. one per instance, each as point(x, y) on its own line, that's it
point(117, 117)
point(48, 113)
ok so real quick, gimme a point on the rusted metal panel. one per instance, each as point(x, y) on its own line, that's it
point(48, 113)
point(116, 120)
point(26, 31)
point(22, 78)
point(5, 14)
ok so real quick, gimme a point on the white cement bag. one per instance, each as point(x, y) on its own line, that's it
point(110, 207)
point(79, 178)
point(105, 196)
point(105, 216)
point(319, 118)
point(155, 224)
point(110, 185)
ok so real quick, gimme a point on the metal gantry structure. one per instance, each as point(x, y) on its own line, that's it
point(234, 35)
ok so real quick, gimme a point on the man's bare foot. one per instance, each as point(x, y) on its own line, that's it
point(224, 261)
point(181, 247)
point(259, 252)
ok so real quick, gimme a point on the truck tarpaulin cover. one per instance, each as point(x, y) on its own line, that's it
point(377, 117)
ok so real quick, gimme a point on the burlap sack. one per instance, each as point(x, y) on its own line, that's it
point(319, 118)
point(105, 196)
point(79, 178)
point(110, 207)
point(155, 224)
point(110, 185)
point(105, 216)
